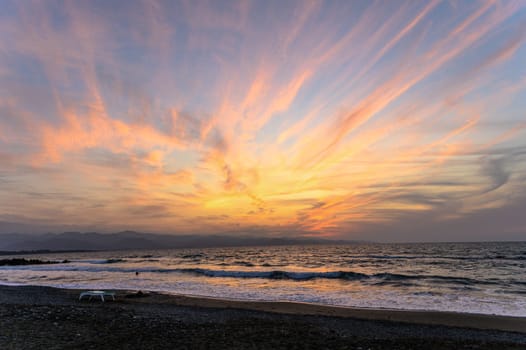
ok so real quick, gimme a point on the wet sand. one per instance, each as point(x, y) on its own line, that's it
point(51, 318)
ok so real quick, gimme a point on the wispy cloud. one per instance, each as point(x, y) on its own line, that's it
point(327, 118)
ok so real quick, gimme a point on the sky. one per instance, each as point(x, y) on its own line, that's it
point(371, 120)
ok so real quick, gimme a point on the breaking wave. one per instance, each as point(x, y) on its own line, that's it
point(343, 275)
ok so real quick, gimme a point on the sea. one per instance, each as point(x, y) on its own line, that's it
point(483, 278)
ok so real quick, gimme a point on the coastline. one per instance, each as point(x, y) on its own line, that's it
point(424, 317)
point(42, 315)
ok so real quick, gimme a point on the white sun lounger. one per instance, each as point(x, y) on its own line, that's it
point(97, 293)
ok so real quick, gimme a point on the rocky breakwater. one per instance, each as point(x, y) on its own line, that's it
point(22, 261)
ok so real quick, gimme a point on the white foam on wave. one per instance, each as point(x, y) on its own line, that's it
point(370, 297)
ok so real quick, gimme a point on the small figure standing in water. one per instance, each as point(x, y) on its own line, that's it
point(136, 273)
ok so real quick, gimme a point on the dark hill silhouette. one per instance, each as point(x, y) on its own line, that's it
point(136, 240)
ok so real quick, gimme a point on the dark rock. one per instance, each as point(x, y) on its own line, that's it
point(22, 261)
point(139, 294)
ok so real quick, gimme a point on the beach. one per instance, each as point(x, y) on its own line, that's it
point(34, 317)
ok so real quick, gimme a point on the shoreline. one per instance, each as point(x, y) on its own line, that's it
point(35, 317)
point(424, 317)
point(420, 317)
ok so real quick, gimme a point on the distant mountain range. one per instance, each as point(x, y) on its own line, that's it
point(136, 240)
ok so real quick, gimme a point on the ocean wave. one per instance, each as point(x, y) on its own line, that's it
point(435, 258)
point(106, 261)
point(193, 256)
point(382, 278)
point(276, 274)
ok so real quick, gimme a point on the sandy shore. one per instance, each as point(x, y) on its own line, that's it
point(51, 318)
